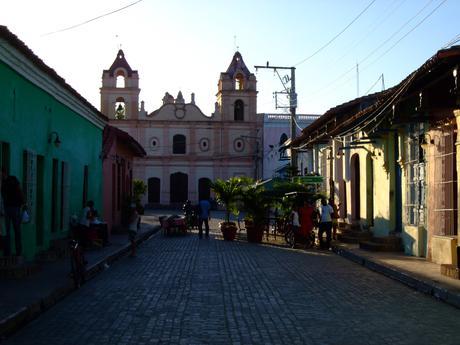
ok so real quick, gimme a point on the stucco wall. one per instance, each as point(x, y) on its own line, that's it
point(28, 116)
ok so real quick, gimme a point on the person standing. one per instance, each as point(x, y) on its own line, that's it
point(13, 200)
point(205, 207)
point(134, 225)
point(87, 217)
point(325, 224)
point(335, 218)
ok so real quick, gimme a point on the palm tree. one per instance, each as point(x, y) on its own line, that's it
point(227, 192)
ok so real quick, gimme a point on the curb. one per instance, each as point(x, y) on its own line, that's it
point(415, 283)
point(23, 316)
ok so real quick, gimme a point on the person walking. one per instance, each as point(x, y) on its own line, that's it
point(13, 200)
point(325, 224)
point(205, 208)
point(134, 225)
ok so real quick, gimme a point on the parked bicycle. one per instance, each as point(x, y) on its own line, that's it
point(77, 263)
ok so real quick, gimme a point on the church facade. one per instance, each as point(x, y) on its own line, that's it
point(187, 149)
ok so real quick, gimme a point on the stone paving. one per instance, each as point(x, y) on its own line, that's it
point(182, 290)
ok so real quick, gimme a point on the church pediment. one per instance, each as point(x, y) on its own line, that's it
point(178, 112)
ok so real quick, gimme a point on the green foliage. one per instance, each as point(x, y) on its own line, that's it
point(139, 189)
point(227, 192)
point(256, 202)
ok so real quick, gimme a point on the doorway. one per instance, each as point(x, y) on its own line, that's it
point(178, 187)
point(355, 188)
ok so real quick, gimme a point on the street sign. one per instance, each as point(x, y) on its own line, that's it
point(308, 179)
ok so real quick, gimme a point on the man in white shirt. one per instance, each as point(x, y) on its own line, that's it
point(325, 224)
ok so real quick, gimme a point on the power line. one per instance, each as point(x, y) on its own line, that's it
point(92, 19)
point(386, 41)
point(336, 36)
point(407, 33)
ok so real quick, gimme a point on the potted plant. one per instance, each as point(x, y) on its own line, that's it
point(139, 189)
point(227, 193)
point(257, 204)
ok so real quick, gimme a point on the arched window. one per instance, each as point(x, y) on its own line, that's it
point(120, 109)
point(239, 82)
point(283, 138)
point(179, 144)
point(120, 79)
point(239, 110)
point(283, 154)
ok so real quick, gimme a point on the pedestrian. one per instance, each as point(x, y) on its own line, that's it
point(133, 229)
point(87, 217)
point(13, 201)
point(205, 207)
point(295, 219)
point(335, 218)
point(325, 224)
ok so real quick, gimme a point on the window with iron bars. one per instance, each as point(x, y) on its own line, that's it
point(414, 206)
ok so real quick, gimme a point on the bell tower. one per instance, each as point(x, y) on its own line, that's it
point(120, 90)
point(237, 92)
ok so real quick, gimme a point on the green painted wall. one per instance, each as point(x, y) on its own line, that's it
point(28, 115)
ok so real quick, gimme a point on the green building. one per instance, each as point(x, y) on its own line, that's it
point(50, 139)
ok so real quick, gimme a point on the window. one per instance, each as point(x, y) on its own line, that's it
point(65, 192)
point(414, 208)
point(239, 82)
point(29, 182)
point(85, 185)
point(154, 144)
point(204, 144)
point(179, 144)
point(54, 195)
point(238, 145)
point(283, 153)
point(120, 109)
point(5, 156)
point(121, 82)
point(239, 110)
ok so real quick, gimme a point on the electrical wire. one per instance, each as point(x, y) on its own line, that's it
point(92, 19)
point(373, 85)
point(327, 86)
point(336, 36)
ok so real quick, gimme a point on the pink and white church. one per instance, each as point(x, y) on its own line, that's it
point(187, 149)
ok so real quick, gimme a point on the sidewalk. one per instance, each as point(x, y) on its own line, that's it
point(415, 272)
point(22, 300)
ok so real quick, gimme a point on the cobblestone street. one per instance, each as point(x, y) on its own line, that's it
point(182, 290)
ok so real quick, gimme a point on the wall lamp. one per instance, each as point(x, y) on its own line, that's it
point(56, 141)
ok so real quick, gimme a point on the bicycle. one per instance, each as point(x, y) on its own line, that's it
point(77, 263)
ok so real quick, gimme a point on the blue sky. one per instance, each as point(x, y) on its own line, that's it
point(184, 45)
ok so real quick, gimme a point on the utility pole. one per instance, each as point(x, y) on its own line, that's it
point(290, 92)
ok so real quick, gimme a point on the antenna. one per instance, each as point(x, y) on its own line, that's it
point(236, 47)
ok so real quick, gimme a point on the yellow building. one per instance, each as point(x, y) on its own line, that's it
point(391, 160)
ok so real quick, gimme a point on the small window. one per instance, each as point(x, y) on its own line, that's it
point(204, 144)
point(238, 145)
point(179, 144)
point(154, 144)
point(121, 81)
point(239, 110)
point(239, 82)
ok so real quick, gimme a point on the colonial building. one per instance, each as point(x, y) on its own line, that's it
point(392, 159)
point(187, 149)
point(50, 139)
point(276, 131)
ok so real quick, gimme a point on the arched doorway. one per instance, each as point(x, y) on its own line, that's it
point(179, 187)
point(355, 188)
point(204, 188)
point(369, 190)
point(153, 190)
